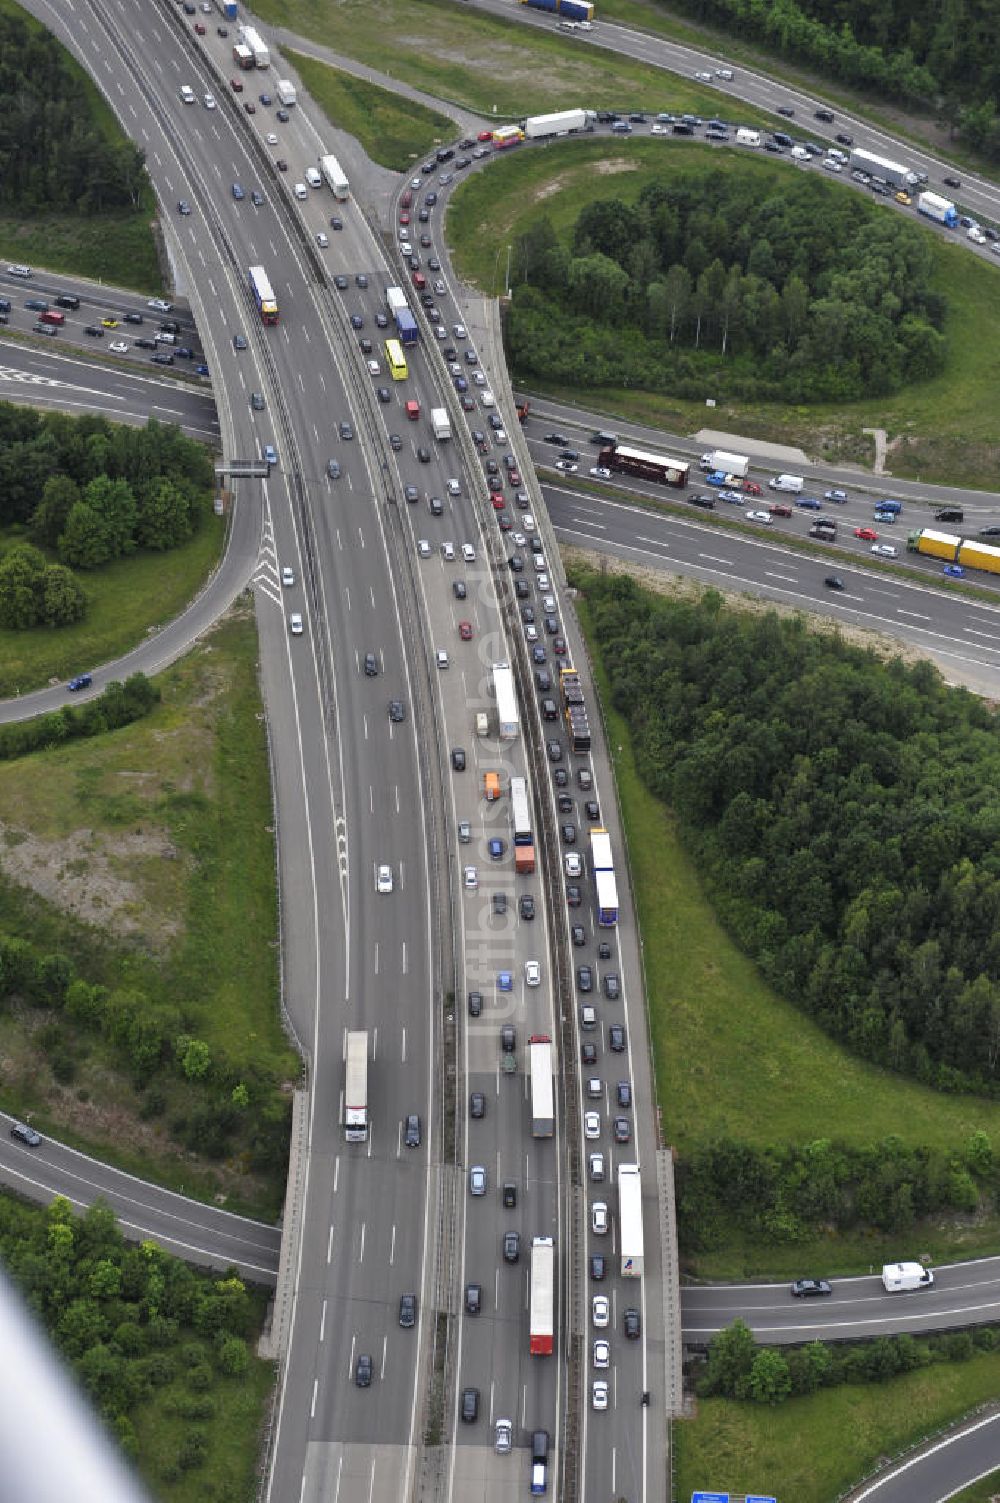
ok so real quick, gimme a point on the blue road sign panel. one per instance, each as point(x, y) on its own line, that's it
point(759, 1498)
point(709, 1498)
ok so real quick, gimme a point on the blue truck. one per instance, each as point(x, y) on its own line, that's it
point(227, 8)
point(406, 326)
point(568, 10)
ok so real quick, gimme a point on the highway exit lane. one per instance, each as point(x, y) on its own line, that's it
point(963, 1294)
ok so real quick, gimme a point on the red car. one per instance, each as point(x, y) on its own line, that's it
point(404, 218)
point(249, 106)
point(751, 488)
point(485, 135)
point(236, 86)
point(514, 476)
point(498, 501)
point(465, 630)
point(866, 534)
point(199, 28)
point(779, 509)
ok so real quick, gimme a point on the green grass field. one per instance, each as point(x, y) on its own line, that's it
point(126, 599)
point(394, 132)
point(809, 1450)
point(485, 63)
point(944, 429)
point(148, 855)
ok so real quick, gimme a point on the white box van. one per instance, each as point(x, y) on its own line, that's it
point(786, 483)
point(300, 190)
point(746, 137)
point(313, 178)
point(897, 1278)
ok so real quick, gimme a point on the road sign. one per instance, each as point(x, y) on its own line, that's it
point(709, 1498)
point(759, 1498)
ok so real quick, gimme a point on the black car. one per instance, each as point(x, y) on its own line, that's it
point(407, 1311)
point(786, 110)
point(470, 1405)
point(604, 950)
point(612, 986)
point(477, 1105)
point(145, 344)
point(844, 139)
point(623, 1093)
point(834, 582)
point(473, 1298)
point(475, 1004)
point(573, 895)
point(950, 514)
point(508, 1038)
point(424, 455)
point(22, 1133)
point(826, 115)
point(592, 809)
point(588, 1055)
point(622, 1130)
point(346, 431)
point(568, 834)
point(988, 532)
point(807, 1288)
point(458, 589)
point(543, 680)
point(371, 665)
point(397, 711)
point(584, 778)
point(632, 1324)
point(598, 1267)
point(458, 758)
point(555, 751)
point(560, 777)
point(511, 1247)
point(130, 318)
point(578, 934)
point(499, 903)
point(526, 906)
point(509, 1194)
point(584, 978)
point(564, 802)
point(363, 1371)
point(411, 1137)
point(616, 1038)
point(556, 438)
point(95, 331)
point(952, 182)
point(395, 442)
point(707, 503)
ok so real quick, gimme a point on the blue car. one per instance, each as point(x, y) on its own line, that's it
point(270, 454)
point(954, 570)
point(505, 982)
point(82, 681)
point(496, 849)
point(201, 370)
point(238, 193)
point(810, 503)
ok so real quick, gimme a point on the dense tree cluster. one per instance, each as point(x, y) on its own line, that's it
point(89, 491)
point(54, 156)
point(921, 52)
point(738, 1369)
point(130, 1321)
point(791, 1193)
point(733, 284)
point(228, 1108)
point(843, 811)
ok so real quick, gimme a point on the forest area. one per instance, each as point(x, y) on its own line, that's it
point(783, 290)
point(937, 55)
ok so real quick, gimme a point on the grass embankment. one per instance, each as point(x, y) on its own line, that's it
point(488, 63)
point(126, 600)
point(114, 247)
point(148, 856)
point(394, 132)
point(945, 428)
point(812, 1449)
point(734, 1059)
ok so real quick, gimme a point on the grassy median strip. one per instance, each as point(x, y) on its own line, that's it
point(487, 63)
point(812, 1449)
point(394, 132)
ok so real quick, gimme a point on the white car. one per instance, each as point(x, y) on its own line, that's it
point(532, 973)
point(602, 1354)
point(591, 1126)
point(459, 331)
point(287, 576)
point(374, 369)
point(272, 139)
point(884, 550)
point(118, 347)
point(658, 130)
point(832, 165)
point(454, 489)
point(322, 239)
point(567, 466)
point(160, 305)
point(210, 101)
point(383, 879)
point(477, 1180)
point(573, 863)
point(488, 399)
point(479, 378)
point(440, 288)
point(504, 1434)
point(519, 539)
point(595, 1087)
point(441, 657)
point(416, 182)
point(600, 472)
point(595, 1165)
point(703, 77)
point(759, 516)
point(295, 624)
point(471, 878)
point(600, 1310)
point(599, 1394)
point(468, 553)
point(423, 548)
point(543, 581)
point(599, 1218)
point(528, 522)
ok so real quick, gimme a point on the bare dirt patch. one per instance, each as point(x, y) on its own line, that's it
point(86, 874)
